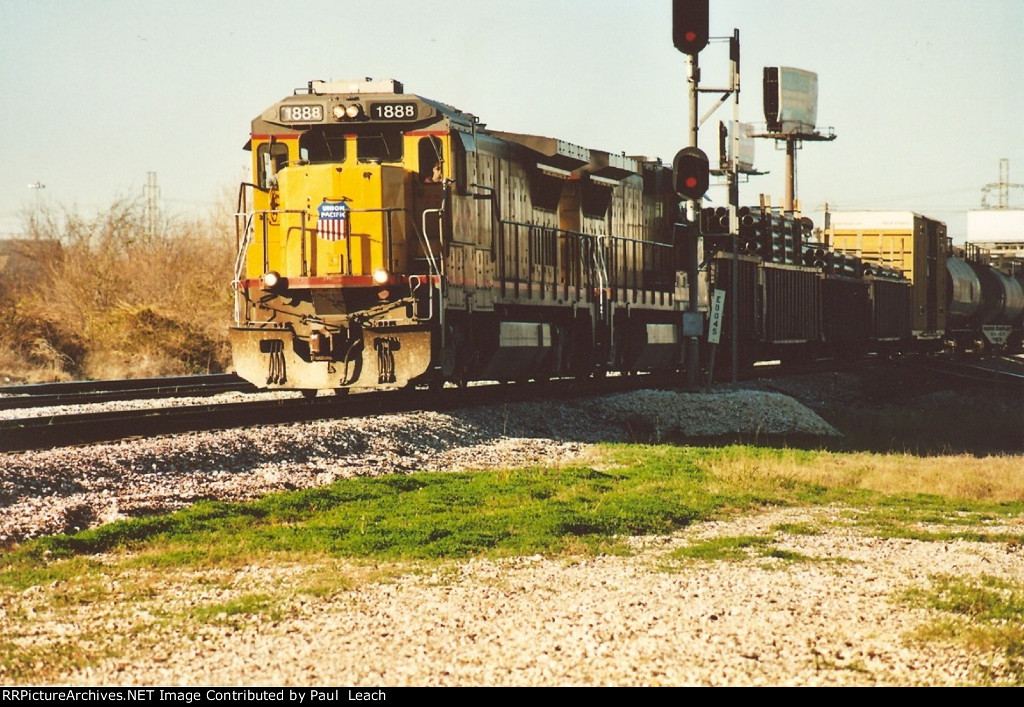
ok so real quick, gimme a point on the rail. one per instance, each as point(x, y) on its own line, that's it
point(38, 395)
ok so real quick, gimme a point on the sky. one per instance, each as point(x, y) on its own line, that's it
point(925, 97)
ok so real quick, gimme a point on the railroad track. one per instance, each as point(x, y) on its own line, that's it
point(81, 392)
point(65, 429)
point(71, 428)
point(997, 370)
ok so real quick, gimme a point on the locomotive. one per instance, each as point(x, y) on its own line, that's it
point(390, 240)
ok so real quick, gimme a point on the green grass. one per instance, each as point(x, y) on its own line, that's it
point(796, 529)
point(419, 516)
point(741, 547)
point(643, 490)
point(725, 548)
point(229, 612)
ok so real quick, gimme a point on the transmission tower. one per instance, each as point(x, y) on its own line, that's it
point(1002, 188)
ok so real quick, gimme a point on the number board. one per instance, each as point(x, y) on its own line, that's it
point(302, 113)
point(393, 111)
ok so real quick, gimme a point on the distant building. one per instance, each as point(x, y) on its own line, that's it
point(1000, 232)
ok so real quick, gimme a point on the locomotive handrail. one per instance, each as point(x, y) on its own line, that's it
point(426, 241)
point(568, 232)
point(240, 262)
point(304, 229)
point(611, 264)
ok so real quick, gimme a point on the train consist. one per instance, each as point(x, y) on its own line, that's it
point(389, 240)
point(958, 299)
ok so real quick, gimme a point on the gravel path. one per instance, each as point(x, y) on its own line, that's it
point(648, 619)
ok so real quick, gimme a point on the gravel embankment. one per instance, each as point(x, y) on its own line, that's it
point(70, 489)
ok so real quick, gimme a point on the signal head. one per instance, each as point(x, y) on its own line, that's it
point(690, 25)
point(691, 173)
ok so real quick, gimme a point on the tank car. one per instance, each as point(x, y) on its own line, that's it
point(388, 239)
point(986, 306)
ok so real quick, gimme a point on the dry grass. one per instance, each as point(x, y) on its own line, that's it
point(994, 479)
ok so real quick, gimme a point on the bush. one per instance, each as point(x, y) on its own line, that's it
point(112, 296)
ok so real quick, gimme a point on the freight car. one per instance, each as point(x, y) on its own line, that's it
point(390, 240)
point(959, 301)
point(986, 305)
point(799, 299)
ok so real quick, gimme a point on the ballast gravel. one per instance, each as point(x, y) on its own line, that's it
point(651, 618)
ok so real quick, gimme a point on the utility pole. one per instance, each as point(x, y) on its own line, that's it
point(36, 206)
point(1002, 187)
point(734, 201)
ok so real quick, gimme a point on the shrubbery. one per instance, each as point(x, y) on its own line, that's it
point(113, 296)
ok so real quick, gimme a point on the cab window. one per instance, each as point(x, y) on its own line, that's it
point(430, 171)
point(376, 144)
point(321, 145)
point(270, 158)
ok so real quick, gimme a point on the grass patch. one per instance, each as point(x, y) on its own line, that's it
point(30, 664)
point(796, 529)
point(420, 516)
point(741, 547)
point(729, 548)
point(986, 615)
point(242, 607)
point(634, 490)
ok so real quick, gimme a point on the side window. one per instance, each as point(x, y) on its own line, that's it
point(270, 158)
point(462, 144)
point(430, 171)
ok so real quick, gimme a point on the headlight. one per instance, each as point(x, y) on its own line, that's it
point(351, 112)
point(272, 280)
point(380, 276)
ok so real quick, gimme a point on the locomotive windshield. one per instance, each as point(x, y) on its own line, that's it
point(379, 144)
point(323, 144)
point(374, 143)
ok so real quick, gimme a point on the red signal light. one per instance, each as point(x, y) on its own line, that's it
point(690, 25)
